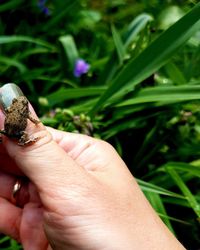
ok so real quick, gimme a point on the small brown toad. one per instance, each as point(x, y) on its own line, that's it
point(16, 121)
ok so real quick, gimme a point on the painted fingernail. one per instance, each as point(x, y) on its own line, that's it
point(8, 92)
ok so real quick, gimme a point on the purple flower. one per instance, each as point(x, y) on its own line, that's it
point(81, 67)
point(46, 11)
point(43, 8)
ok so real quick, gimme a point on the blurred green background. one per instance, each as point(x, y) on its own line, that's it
point(124, 71)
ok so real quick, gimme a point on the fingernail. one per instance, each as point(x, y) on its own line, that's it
point(8, 92)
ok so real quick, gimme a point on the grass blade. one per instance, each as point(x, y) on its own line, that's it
point(64, 94)
point(138, 24)
point(164, 94)
point(70, 49)
point(185, 190)
point(157, 204)
point(12, 62)
point(181, 166)
point(175, 219)
point(118, 44)
point(14, 39)
point(152, 188)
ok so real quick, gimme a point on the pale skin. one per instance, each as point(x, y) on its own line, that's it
point(80, 196)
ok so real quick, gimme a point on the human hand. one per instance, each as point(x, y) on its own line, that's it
point(80, 196)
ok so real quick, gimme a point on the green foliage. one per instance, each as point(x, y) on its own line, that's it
point(141, 92)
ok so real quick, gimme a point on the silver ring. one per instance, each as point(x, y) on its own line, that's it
point(16, 188)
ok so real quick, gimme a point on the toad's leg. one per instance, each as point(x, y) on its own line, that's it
point(32, 119)
point(2, 131)
point(26, 140)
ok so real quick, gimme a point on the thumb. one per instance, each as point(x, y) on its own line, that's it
point(44, 162)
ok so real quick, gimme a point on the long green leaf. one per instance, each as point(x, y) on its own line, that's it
point(14, 39)
point(185, 190)
point(184, 167)
point(152, 188)
point(153, 57)
point(34, 51)
point(164, 94)
point(138, 24)
point(64, 94)
point(174, 219)
point(13, 62)
point(70, 50)
point(157, 204)
point(118, 44)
